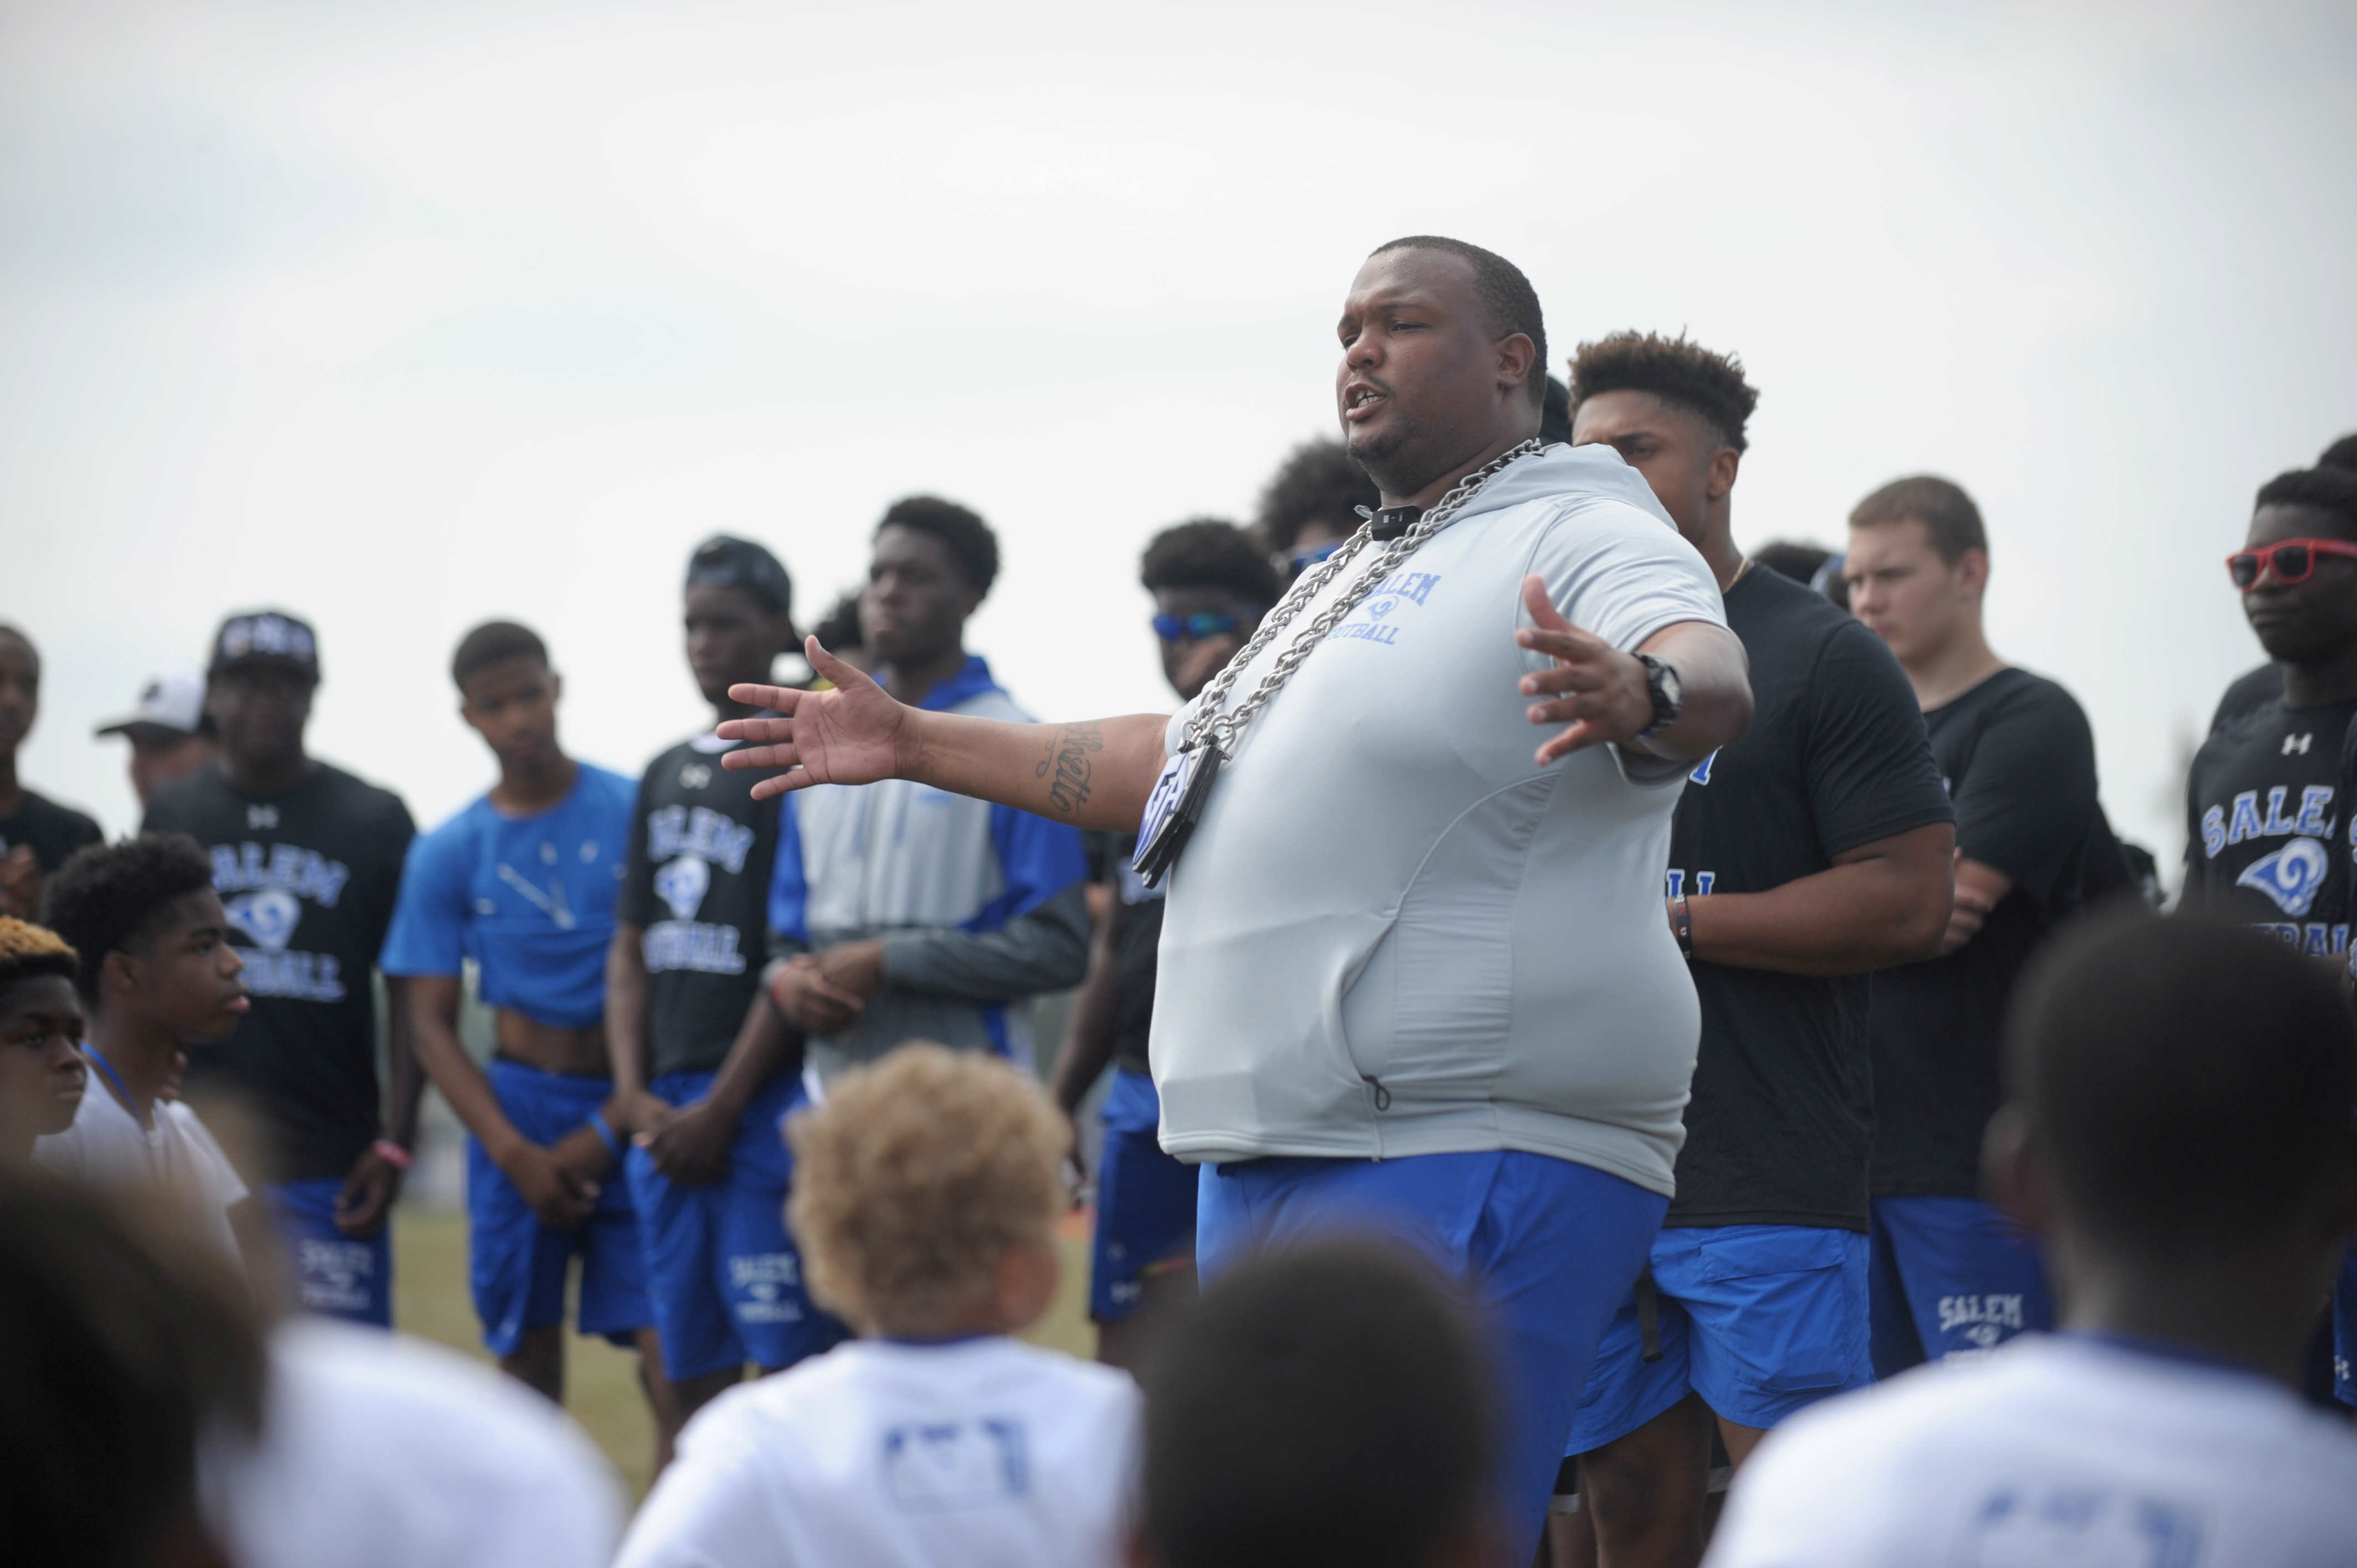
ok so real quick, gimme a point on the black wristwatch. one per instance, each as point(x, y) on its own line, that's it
point(1669, 694)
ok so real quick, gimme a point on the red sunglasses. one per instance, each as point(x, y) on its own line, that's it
point(2291, 559)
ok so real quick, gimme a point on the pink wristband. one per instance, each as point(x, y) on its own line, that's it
point(393, 1154)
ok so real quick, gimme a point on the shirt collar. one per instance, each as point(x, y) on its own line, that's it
point(971, 680)
point(2160, 1350)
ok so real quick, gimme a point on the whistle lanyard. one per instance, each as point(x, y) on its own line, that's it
point(121, 1090)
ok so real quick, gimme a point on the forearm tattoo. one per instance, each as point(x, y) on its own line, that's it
point(1067, 766)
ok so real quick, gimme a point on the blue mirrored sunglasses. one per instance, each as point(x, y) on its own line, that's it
point(1197, 626)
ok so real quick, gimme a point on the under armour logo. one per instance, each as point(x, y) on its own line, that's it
point(695, 776)
point(261, 816)
point(2297, 743)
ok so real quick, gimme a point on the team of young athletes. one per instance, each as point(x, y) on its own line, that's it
point(1838, 881)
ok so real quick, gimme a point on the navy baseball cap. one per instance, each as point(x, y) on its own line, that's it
point(725, 561)
point(265, 637)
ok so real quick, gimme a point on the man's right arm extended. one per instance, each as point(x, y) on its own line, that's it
point(1093, 774)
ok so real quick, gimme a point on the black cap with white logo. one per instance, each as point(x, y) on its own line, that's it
point(265, 637)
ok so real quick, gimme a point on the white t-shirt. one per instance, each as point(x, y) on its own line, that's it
point(380, 1451)
point(980, 1453)
point(2053, 1452)
point(1393, 932)
point(107, 1147)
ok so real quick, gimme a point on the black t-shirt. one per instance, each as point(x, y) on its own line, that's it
point(1137, 948)
point(54, 832)
point(2263, 809)
point(2246, 691)
point(308, 877)
point(698, 883)
point(2019, 762)
point(1780, 1126)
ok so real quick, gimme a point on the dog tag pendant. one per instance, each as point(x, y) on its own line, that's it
point(1172, 811)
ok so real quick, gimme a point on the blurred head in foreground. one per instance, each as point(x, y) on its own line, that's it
point(1325, 1403)
point(41, 1073)
point(926, 1194)
point(2182, 1129)
point(124, 1343)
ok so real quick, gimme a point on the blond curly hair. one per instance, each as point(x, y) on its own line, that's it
point(27, 949)
point(914, 1179)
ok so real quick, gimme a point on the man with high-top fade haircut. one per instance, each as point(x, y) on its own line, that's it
point(1414, 970)
point(1813, 850)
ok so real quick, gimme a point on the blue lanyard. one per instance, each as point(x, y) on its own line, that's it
point(115, 1078)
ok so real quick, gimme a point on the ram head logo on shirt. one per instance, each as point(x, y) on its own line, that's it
point(681, 882)
point(268, 917)
point(2292, 876)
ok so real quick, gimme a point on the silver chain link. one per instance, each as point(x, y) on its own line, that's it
point(1225, 730)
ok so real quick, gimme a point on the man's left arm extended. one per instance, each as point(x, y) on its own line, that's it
point(1878, 905)
point(1600, 695)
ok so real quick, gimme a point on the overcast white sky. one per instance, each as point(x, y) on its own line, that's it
point(406, 315)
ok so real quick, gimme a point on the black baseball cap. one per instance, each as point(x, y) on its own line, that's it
point(265, 637)
point(725, 561)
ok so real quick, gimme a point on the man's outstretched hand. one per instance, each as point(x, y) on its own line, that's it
point(1598, 688)
point(853, 735)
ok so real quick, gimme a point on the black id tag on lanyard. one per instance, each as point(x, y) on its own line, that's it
point(1172, 811)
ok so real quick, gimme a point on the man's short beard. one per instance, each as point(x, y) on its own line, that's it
point(1380, 454)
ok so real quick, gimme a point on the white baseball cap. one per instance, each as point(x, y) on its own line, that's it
point(173, 703)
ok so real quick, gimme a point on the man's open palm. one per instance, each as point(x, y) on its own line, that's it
point(849, 735)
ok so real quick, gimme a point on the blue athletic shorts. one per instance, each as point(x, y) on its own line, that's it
point(725, 1278)
point(335, 1275)
point(1549, 1247)
point(520, 1265)
point(1759, 1319)
point(2344, 1329)
point(1952, 1276)
point(1146, 1201)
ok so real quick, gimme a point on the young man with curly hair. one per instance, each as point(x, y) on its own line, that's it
point(1809, 851)
point(158, 974)
point(1311, 505)
point(1211, 584)
point(926, 1197)
point(42, 1079)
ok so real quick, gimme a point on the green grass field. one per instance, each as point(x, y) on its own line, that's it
point(601, 1388)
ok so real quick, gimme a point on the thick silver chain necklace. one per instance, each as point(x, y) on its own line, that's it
point(1225, 730)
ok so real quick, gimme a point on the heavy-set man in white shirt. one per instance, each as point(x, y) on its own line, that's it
point(1414, 974)
point(2183, 1132)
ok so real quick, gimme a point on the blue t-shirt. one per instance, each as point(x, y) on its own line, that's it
point(530, 900)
